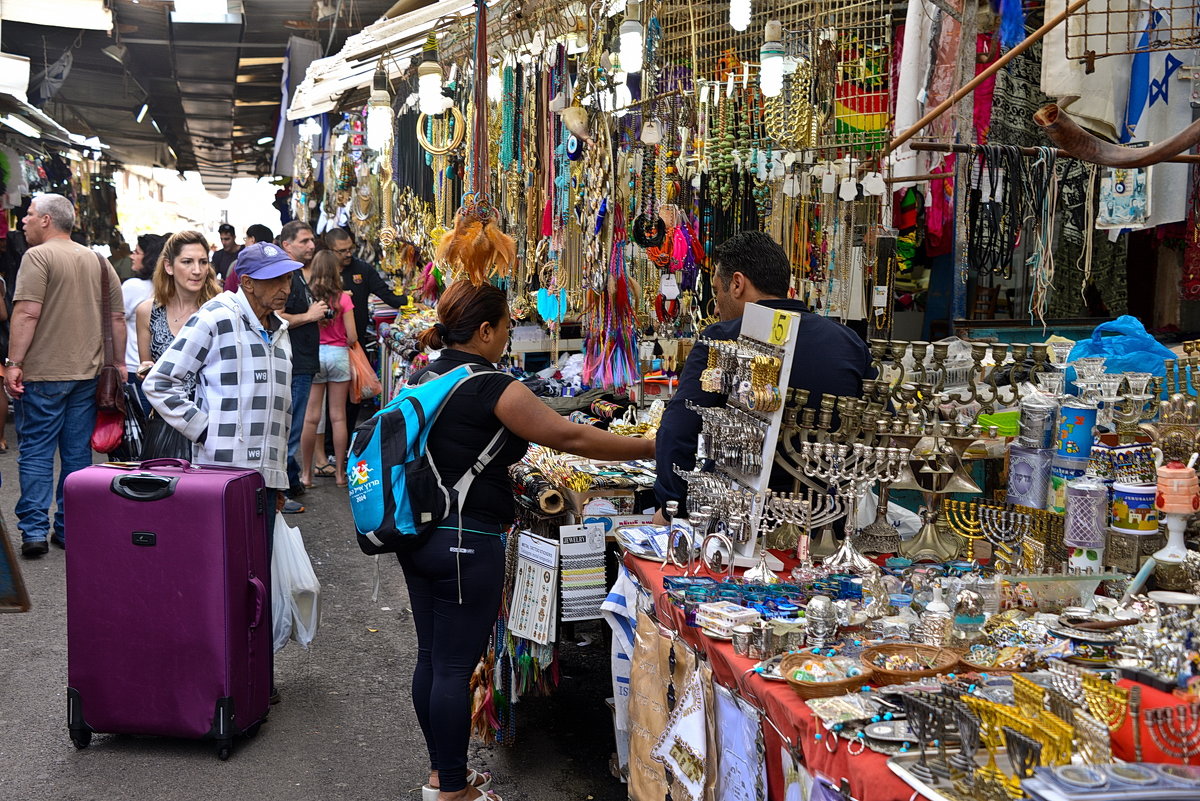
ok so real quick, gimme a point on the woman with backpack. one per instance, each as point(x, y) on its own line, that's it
point(455, 576)
point(338, 335)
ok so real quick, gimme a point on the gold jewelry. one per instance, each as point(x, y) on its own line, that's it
point(460, 130)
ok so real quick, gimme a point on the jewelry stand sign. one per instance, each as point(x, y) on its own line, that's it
point(535, 594)
point(741, 436)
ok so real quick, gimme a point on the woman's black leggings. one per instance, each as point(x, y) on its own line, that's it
point(451, 635)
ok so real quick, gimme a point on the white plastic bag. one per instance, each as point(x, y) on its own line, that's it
point(295, 590)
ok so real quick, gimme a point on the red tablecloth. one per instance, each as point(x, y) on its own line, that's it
point(868, 773)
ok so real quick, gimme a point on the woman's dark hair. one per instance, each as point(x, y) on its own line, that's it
point(758, 257)
point(461, 309)
point(151, 245)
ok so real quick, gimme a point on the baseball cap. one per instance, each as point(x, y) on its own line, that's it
point(265, 260)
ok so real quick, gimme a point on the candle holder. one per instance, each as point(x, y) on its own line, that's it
point(1095, 743)
point(963, 519)
point(920, 717)
point(1067, 679)
point(1107, 702)
point(1024, 754)
point(1005, 529)
point(990, 734)
point(1176, 730)
point(1028, 697)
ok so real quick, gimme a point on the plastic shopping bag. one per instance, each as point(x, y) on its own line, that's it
point(1128, 349)
point(364, 384)
point(295, 590)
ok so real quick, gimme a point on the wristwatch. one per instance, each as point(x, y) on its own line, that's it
point(11, 363)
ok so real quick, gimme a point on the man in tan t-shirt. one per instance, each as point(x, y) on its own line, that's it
point(56, 349)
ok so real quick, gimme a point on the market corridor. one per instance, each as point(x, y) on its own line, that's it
point(345, 730)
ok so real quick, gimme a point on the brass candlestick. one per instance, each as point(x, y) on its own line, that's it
point(1106, 701)
point(963, 519)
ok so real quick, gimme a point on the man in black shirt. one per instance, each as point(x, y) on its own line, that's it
point(227, 255)
point(829, 359)
point(361, 280)
point(302, 313)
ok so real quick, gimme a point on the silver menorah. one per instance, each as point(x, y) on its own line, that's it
point(853, 468)
point(1005, 529)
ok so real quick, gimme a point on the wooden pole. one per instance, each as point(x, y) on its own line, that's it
point(973, 84)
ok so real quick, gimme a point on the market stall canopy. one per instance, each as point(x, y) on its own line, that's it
point(338, 81)
point(19, 116)
point(168, 88)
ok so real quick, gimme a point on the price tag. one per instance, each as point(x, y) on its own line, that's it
point(779, 328)
point(879, 296)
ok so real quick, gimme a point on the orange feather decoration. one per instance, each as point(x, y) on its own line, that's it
point(478, 247)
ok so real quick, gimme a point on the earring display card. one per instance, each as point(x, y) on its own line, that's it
point(535, 594)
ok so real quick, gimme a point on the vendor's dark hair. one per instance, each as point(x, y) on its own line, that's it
point(151, 245)
point(461, 309)
point(758, 257)
point(261, 233)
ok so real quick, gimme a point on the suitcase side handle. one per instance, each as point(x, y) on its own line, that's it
point(260, 599)
point(143, 487)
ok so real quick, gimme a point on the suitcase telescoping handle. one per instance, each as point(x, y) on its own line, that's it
point(260, 600)
point(144, 487)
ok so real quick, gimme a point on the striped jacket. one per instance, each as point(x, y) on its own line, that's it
point(243, 405)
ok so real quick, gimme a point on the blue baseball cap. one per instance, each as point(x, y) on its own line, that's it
point(264, 260)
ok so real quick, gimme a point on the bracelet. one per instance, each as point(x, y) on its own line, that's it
point(11, 363)
point(460, 130)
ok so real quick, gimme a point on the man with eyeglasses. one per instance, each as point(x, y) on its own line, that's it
point(361, 280)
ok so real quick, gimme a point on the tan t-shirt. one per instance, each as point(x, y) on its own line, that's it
point(64, 277)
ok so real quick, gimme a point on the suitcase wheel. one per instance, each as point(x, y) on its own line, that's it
point(224, 748)
point(82, 738)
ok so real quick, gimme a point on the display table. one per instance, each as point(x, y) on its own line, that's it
point(868, 773)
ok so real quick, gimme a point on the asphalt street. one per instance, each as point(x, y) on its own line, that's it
point(345, 728)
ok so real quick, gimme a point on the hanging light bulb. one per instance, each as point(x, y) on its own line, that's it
point(632, 43)
point(739, 14)
point(770, 76)
point(495, 86)
point(429, 80)
point(379, 113)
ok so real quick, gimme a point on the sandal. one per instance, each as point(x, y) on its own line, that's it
point(430, 793)
point(326, 470)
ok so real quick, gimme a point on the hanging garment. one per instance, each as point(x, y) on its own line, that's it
point(739, 743)
point(1108, 275)
point(683, 745)
point(620, 612)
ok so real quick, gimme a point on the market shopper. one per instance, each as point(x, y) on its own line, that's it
point(455, 577)
point(362, 281)
point(225, 380)
point(303, 313)
point(255, 233)
point(226, 255)
point(337, 334)
point(751, 267)
point(137, 289)
point(55, 353)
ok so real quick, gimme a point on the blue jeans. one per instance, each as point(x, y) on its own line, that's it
point(301, 387)
point(50, 416)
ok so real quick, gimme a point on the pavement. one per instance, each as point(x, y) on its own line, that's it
point(345, 728)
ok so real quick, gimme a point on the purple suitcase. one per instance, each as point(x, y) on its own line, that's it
point(168, 602)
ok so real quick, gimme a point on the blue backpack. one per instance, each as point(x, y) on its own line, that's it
point(396, 492)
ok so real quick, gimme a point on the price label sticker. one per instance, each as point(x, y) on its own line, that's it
point(879, 296)
point(779, 328)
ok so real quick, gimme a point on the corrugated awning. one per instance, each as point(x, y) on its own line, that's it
point(331, 81)
point(45, 127)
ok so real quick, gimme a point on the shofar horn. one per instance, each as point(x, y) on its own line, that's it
point(1084, 146)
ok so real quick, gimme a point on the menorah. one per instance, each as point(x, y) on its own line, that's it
point(1176, 730)
point(1024, 754)
point(1005, 529)
point(1028, 697)
point(1067, 679)
point(1095, 742)
point(1055, 735)
point(963, 763)
point(802, 513)
point(1106, 701)
point(1176, 426)
point(963, 519)
point(990, 734)
point(935, 469)
point(855, 468)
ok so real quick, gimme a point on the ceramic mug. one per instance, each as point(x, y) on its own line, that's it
point(1133, 507)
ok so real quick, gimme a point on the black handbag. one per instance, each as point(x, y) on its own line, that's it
point(165, 442)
